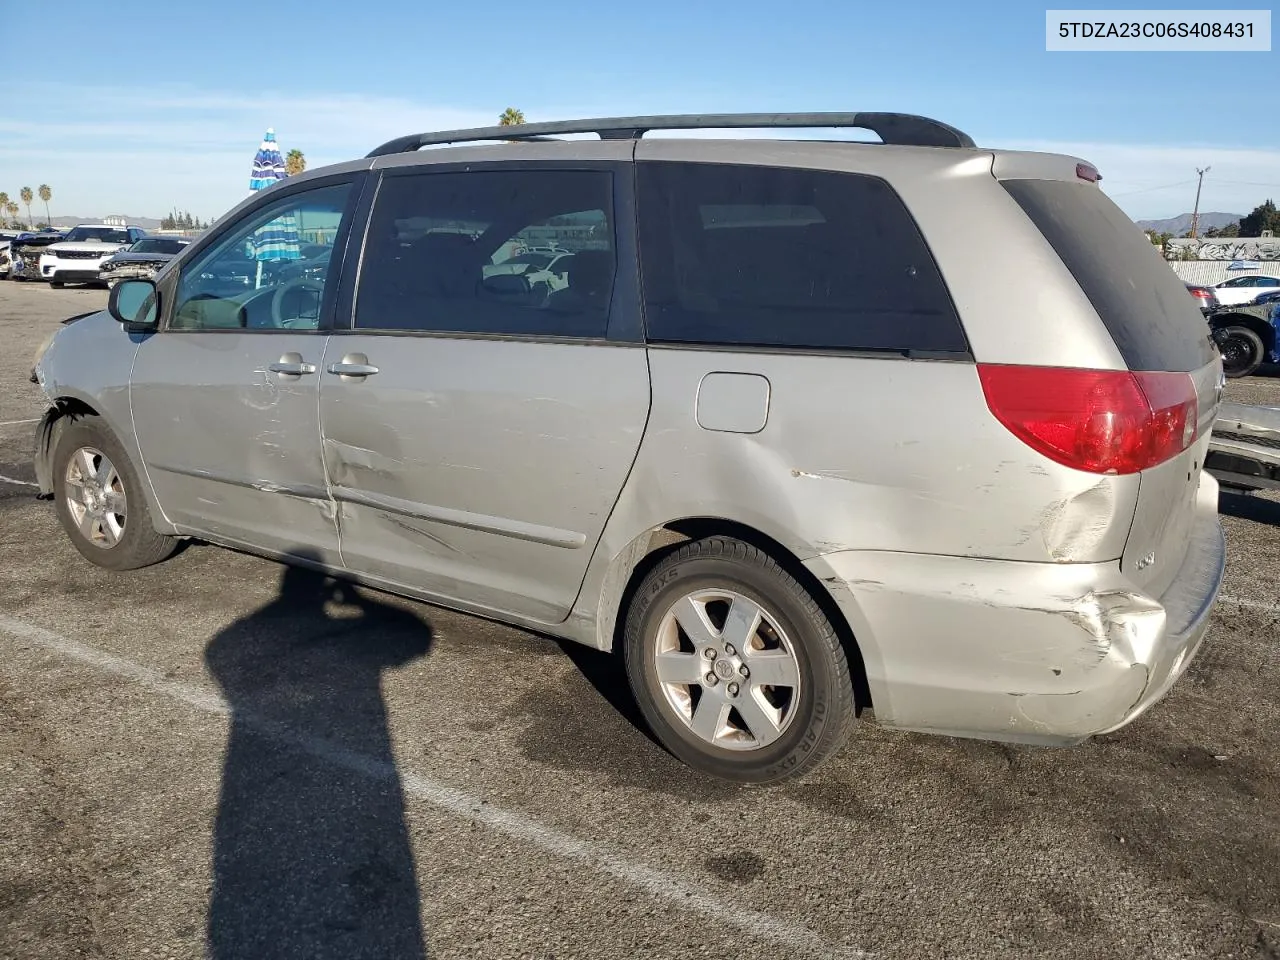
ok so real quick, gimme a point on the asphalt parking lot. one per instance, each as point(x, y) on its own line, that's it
point(218, 757)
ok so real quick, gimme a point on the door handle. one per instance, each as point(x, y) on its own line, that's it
point(353, 365)
point(292, 365)
point(353, 369)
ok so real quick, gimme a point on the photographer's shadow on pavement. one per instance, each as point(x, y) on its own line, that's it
point(311, 853)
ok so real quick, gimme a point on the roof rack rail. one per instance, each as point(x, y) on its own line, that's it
point(900, 129)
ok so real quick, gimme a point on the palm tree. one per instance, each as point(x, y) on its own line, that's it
point(27, 197)
point(46, 194)
point(511, 117)
point(11, 208)
point(294, 163)
point(4, 202)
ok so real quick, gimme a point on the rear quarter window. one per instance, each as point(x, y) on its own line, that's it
point(1155, 323)
point(741, 255)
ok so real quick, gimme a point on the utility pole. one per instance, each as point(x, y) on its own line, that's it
point(1195, 213)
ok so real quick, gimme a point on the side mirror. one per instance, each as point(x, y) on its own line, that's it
point(135, 303)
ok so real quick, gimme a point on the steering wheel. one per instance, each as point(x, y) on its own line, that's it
point(277, 298)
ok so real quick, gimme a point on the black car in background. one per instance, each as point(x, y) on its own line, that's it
point(143, 259)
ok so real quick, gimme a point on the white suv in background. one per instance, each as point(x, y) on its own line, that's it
point(77, 257)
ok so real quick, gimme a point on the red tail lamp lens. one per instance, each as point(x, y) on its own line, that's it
point(1099, 421)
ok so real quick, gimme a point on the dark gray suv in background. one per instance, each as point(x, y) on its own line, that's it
point(800, 428)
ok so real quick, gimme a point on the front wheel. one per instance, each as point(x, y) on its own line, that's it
point(734, 665)
point(99, 500)
point(1242, 351)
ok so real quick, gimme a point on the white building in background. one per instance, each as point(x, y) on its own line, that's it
point(1211, 260)
point(115, 221)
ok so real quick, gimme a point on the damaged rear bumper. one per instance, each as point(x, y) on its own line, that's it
point(1023, 652)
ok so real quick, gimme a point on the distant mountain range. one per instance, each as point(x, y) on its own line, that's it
point(1181, 224)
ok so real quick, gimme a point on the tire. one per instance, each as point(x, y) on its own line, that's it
point(123, 539)
point(803, 723)
point(1242, 351)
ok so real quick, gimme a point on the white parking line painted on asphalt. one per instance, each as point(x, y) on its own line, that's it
point(19, 483)
point(1251, 604)
point(661, 885)
point(18, 423)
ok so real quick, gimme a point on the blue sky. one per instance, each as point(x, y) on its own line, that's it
point(146, 106)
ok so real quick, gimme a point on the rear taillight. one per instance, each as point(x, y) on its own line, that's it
point(1100, 421)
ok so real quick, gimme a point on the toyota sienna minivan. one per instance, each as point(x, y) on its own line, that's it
point(803, 428)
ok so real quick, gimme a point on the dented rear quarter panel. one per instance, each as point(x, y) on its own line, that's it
point(829, 472)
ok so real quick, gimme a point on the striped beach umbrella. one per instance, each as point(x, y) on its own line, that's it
point(268, 163)
point(278, 239)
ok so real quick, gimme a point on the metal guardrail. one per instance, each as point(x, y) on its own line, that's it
point(1244, 449)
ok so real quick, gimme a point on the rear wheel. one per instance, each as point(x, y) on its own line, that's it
point(735, 667)
point(99, 500)
point(1242, 351)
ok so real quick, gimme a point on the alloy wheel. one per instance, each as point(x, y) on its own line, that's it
point(94, 494)
point(727, 669)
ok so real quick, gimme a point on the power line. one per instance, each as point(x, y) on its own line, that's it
point(1165, 186)
point(1249, 183)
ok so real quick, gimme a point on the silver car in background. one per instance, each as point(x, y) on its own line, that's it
point(810, 429)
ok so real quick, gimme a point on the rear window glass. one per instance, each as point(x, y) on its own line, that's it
point(767, 256)
point(1155, 323)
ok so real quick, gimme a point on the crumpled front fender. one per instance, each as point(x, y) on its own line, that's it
point(45, 439)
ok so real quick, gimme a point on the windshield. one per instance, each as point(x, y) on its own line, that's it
point(97, 234)
point(157, 246)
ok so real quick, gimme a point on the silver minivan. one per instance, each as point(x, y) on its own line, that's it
point(802, 428)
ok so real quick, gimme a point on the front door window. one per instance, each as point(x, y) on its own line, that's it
point(270, 272)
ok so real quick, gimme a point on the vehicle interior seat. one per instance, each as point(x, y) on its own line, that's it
point(589, 283)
